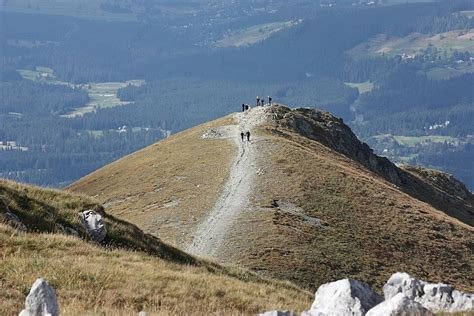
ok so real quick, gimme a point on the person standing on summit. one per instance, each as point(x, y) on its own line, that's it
point(243, 107)
point(242, 135)
point(248, 135)
point(258, 100)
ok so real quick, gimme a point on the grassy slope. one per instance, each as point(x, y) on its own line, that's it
point(371, 228)
point(167, 187)
point(117, 280)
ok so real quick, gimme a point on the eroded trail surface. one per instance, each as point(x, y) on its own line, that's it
point(235, 194)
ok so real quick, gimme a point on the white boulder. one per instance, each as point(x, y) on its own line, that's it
point(94, 225)
point(437, 297)
point(399, 305)
point(343, 297)
point(41, 301)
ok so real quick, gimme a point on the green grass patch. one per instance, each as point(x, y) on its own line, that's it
point(415, 44)
point(468, 13)
point(254, 34)
point(442, 73)
point(412, 141)
point(40, 74)
point(363, 87)
point(101, 94)
point(89, 9)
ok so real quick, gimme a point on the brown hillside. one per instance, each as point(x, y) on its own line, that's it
point(322, 206)
point(129, 272)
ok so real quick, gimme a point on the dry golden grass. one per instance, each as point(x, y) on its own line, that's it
point(371, 228)
point(129, 272)
point(92, 281)
point(167, 187)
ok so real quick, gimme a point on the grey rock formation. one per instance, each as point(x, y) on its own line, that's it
point(41, 301)
point(343, 297)
point(399, 305)
point(436, 297)
point(94, 225)
point(10, 217)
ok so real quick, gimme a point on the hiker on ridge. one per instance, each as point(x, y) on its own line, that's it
point(247, 107)
point(262, 102)
point(248, 136)
point(269, 100)
point(243, 107)
point(242, 135)
point(258, 100)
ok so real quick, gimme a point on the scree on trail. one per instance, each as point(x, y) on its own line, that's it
point(235, 194)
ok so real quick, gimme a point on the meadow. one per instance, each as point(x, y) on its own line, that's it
point(89, 9)
point(101, 94)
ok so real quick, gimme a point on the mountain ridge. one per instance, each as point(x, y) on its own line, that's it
point(315, 212)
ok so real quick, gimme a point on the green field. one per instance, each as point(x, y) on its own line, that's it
point(101, 94)
point(469, 14)
point(253, 34)
point(363, 87)
point(41, 74)
point(84, 9)
point(416, 43)
point(439, 73)
point(412, 141)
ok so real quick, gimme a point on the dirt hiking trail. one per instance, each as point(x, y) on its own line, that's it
point(235, 194)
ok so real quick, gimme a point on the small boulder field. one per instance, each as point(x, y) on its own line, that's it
point(403, 295)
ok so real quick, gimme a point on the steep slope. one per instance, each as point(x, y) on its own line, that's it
point(304, 200)
point(129, 272)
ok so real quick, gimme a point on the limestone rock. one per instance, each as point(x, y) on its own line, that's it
point(94, 225)
point(436, 297)
point(10, 217)
point(343, 297)
point(41, 301)
point(402, 282)
point(399, 305)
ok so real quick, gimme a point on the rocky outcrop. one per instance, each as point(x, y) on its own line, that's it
point(332, 132)
point(41, 301)
point(399, 305)
point(343, 297)
point(440, 190)
point(437, 297)
point(404, 295)
point(11, 218)
point(94, 225)
point(441, 180)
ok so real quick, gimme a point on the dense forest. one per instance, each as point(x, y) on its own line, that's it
point(321, 61)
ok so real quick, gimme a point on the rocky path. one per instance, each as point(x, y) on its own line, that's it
point(235, 195)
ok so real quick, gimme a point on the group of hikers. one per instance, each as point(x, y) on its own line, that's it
point(243, 135)
point(246, 107)
point(260, 102)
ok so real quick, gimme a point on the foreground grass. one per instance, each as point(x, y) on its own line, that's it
point(90, 279)
point(131, 271)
